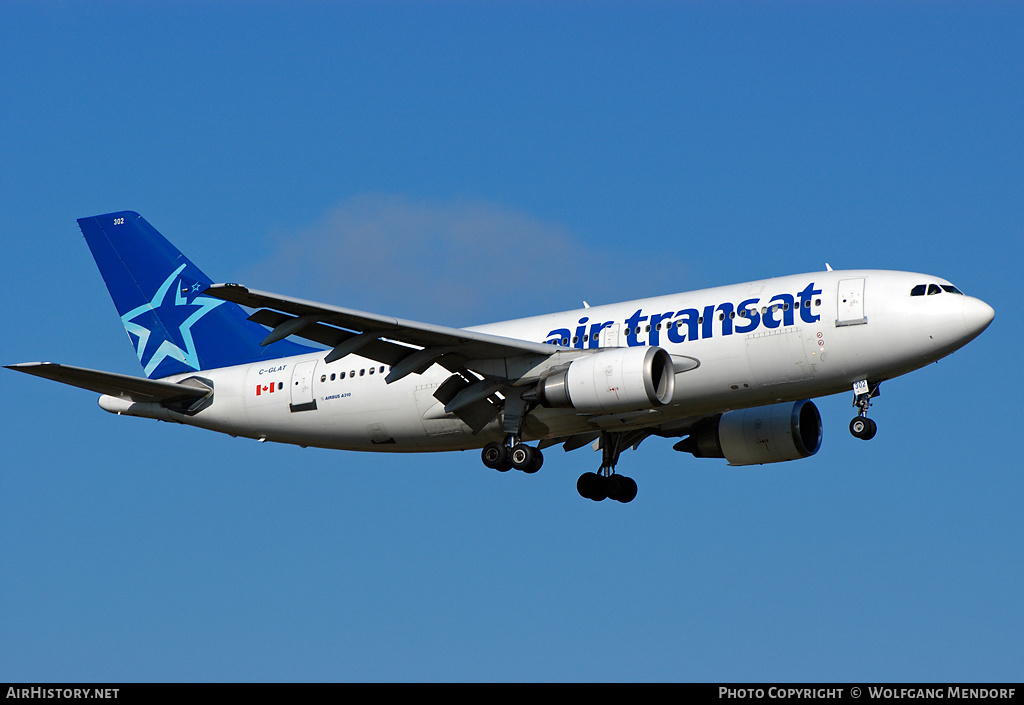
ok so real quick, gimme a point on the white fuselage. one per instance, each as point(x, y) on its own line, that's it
point(784, 339)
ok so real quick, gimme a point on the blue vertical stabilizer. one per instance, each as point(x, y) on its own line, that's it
point(158, 293)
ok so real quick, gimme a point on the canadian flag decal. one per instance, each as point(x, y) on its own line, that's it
point(264, 389)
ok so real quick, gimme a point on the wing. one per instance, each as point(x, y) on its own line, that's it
point(123, 386)
point(382, 338)
point(484, 367)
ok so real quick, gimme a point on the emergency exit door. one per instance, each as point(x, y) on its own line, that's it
point(302, 386)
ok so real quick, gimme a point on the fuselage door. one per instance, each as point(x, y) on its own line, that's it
point(851, 303)
point(610, 336)
point(302, 386)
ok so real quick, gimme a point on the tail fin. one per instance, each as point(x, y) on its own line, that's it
point(158, 293)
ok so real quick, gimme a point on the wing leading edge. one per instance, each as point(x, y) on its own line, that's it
point(407, 346)
point(487, 370)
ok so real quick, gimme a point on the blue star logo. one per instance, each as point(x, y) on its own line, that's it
point(171, 319)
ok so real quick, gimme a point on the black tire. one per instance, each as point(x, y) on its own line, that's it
point(613, 485)
point(538, 460)
point(591, 486)
point(522, 457)
point(872, 430)
point(627, 490)
point(863, 428)
point(494, 456)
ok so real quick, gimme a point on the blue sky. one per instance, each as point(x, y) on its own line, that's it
point(466, 162)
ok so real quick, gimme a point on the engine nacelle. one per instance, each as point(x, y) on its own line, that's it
point(613, 381)
point(763, 434)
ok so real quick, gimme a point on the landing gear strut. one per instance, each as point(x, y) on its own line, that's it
point(861, 426)
point(605, 483)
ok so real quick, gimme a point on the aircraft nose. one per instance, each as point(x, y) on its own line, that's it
point(977, 315)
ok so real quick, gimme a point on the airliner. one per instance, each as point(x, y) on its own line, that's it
point(730, 371)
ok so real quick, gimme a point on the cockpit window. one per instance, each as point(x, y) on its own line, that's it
point(932, 289)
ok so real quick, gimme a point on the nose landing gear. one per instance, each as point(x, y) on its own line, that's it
point(861, 426)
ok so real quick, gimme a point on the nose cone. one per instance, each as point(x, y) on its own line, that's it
point(977, 315)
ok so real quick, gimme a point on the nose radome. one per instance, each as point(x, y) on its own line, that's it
point(977, 315)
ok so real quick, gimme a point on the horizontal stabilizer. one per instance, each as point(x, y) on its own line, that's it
point(123, 386)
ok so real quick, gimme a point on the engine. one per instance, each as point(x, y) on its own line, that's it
point(612, 381)
point(763, 434)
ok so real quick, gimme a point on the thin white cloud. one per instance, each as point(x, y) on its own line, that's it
point(455, 263)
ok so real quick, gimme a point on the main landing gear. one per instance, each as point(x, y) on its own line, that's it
point(861, 426)
point(605, 483)
point(512, 455)
point(593, 486)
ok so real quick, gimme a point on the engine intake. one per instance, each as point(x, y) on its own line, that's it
point(763, 434)
point(612, 381)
